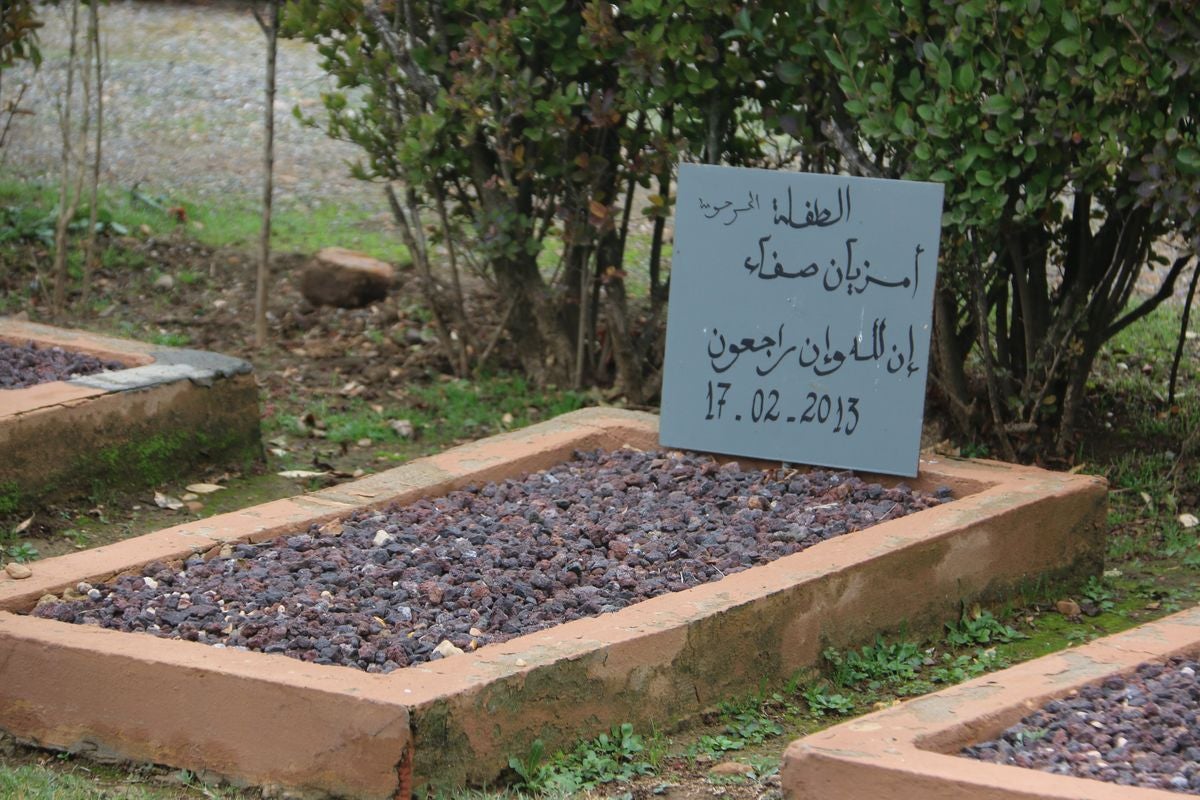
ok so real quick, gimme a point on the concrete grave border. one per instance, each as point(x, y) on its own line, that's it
point(269, 719)
point(908, 752)
point(171, 409)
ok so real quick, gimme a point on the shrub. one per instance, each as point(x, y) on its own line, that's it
point(1065, 132)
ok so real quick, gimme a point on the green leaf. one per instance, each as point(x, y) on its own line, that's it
point(984, 178)
point(855, 107)
point(1189, 158)
point(791, 73)
point(964, 79)
point(1067, 47)
point(997, 104)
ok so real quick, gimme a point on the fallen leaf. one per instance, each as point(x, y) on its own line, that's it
point(1186, 520)
point(300, 473)
point(166, 501)
point(24, 526)
point(204, 488)
point(352, 389)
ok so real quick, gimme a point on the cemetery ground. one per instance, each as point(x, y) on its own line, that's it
point(350, 392)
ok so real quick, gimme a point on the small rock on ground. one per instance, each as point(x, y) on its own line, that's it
point(732, 768)
point(17, 571)
point(345, 279)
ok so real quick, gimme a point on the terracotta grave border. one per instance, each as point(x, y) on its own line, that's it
point(273, 720)
point(170, 409)
point(909, 752)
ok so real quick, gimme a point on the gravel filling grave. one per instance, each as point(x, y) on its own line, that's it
point(1136, 731)
point(385, 589)
point(28, 365)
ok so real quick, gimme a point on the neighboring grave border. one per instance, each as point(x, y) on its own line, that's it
point(170, 410)
point(910, 752)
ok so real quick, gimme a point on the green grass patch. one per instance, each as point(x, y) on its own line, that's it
point(27, 211)
point(67, 780)
point(440, 413)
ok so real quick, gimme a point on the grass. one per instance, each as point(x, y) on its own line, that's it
point(29, 207)
point(441, 414)
point(69, 779)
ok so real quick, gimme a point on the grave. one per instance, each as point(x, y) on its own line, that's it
point(266, 719)
point(911, 751)
point(168, 410)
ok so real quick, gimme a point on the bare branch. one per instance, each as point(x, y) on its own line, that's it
point(849, 150)
point(418, 80)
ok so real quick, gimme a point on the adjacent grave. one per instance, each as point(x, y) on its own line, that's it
point(166, 411)
point(800, 317)
point(913, 751)
point(273, 720)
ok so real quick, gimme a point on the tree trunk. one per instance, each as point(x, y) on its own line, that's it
point(66, 206)
point(270, 29)
point(542, 343)
point(89, 254)
point(950, 359)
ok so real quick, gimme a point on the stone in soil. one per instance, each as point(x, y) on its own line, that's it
point(28, 365)
point(385, 589)
point(1138, 730)
point(345, 279)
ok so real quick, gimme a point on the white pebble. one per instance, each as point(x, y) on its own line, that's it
point(382, 537)
point(447, 649)
point(150, 583)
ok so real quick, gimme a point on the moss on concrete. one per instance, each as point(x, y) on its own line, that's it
point(129, 441)
point(10, 498)
point(156, 458)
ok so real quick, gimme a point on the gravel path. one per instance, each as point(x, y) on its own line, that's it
point(183, 108)
point(27, 365)
point(1140, 731)
point(383, 590)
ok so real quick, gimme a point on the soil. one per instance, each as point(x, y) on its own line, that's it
point(1139, 730)
point(23, 365)
point(383, 590)
point(319, 362)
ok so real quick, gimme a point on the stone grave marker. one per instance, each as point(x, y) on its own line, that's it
point(800, 315)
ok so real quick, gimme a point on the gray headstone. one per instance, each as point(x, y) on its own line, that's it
point(800, 316)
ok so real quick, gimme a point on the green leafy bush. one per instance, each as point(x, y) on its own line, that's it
point(1066, 135)
point(1064, 131)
